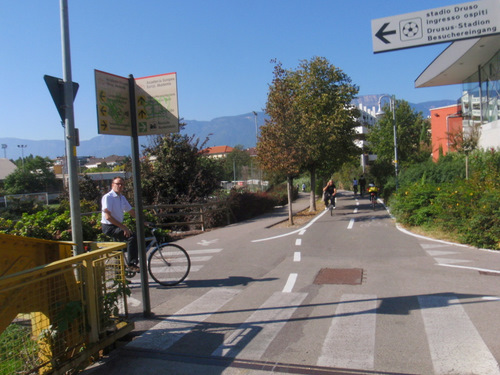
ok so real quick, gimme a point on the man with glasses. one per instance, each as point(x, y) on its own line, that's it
point(114, 205)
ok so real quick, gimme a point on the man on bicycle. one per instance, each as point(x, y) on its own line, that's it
point(114, 205)
point(329, 193)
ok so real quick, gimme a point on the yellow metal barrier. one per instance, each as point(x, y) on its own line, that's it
point(57, 310)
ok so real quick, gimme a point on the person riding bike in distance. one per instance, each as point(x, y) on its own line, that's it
point(330, 191)
point(373, 191)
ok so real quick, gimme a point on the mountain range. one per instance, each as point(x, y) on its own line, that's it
point(229, 130)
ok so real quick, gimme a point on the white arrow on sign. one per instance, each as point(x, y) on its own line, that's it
point(438, 25)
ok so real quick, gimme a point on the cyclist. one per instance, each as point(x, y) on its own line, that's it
point(373, 191)
point(329, 193)
point(114, 205)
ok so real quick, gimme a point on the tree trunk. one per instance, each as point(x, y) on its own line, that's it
point(312, 195)
point(290, 198)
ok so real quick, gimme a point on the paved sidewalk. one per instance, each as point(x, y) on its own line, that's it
point(124, 361)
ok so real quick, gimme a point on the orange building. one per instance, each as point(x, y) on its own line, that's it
point(445, 122)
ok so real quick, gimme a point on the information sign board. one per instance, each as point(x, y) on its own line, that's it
point(156, 104)
point(113, 104)
point(439, 25)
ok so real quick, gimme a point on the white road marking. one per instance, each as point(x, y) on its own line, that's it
point(301, 233)
point(169, 331)
point(469, 268)
point(292, 278)
point(298, 242)
point(355, 211)
point(350, 341)
point(455, 345)
point(351, 224)
point(203, 251)
point(450, 261)
point(295, 231)
point(207, 243)
point(296, 256)
point(436, 253)
point(253, 337)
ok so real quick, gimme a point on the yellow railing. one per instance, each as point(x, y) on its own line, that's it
point(55, 316)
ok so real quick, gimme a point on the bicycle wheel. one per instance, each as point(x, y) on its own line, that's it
point(169, 264)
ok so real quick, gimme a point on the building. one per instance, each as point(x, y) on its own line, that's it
point(474, 64)
point(366, 120)
point(217, 152)
point(6, 168)
point(445, 123)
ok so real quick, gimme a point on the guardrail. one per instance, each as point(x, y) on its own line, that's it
point(54, 317)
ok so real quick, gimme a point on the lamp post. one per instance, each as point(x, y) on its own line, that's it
point(4, 146)
point(393, 110)
point(22, 147)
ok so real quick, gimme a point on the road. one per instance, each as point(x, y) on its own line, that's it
point(345, 294)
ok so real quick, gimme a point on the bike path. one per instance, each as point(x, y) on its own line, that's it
point(124, 361)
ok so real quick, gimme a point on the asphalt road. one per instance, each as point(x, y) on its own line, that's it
point(345, 294)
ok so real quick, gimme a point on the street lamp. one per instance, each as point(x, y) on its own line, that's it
point(4, 146)
point(393, 110)
point(256, 128)
point(22, 147)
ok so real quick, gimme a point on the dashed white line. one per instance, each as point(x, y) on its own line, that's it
point(351, 224)
point(296, 256)
point(292, 278)
point(298, 242)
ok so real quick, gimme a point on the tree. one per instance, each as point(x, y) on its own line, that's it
point(175, 169)
point(412, 140)
point(238, 158)
point(36, 176)
point(279, 150)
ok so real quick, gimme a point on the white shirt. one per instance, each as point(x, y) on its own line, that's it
point(116, 204)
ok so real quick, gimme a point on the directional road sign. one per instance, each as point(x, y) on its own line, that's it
point(113, 104)
point(155, 99)
point(446, 24)
point(156, 103)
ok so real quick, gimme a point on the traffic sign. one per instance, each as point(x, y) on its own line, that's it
point(56, 89)
point(157, 105)
point(113, 104)
point(439, 25)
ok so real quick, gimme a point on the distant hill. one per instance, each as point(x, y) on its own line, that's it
point(221, 131)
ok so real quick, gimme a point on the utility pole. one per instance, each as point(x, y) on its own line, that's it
point(70, 139)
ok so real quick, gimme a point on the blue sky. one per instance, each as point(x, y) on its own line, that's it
point(220, 49)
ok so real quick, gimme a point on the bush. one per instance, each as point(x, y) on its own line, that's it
point(437, 196)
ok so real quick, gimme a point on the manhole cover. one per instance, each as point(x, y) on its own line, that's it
point(349, 276)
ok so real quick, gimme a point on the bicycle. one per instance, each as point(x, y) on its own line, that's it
point(331, 206)
point(168, 263)
point(373, 199)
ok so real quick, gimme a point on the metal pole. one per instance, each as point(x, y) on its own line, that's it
point(139, 216)
point(393, 102)
point(74, 193)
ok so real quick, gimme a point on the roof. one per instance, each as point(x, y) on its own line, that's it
point(218, 150)
point(459, 61)
point(6, 168)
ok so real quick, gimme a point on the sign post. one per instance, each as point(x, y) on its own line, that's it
point(439, 25)
point(134, 107)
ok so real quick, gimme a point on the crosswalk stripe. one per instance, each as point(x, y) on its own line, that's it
point(253, 337)
point(450, 261)
point(350, 341)
point(203, 251)
point(456, 346)
point(167, 332)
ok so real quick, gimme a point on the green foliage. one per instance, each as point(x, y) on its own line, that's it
point(176, 169)
point(18, 352)
point(245, 205)
point(34, 177)
point(436, 196)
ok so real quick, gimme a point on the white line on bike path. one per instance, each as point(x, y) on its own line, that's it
point(350, 341)
point(292, 278)
point(295, 231)
point(169, 331)
point(454, 350)
point(296, 256)
point(252, 338)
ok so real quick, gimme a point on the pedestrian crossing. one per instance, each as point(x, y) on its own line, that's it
point(347, 336)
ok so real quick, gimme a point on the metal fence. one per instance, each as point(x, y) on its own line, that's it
point(54, 317)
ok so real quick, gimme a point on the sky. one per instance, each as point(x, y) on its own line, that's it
point(221, 51)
